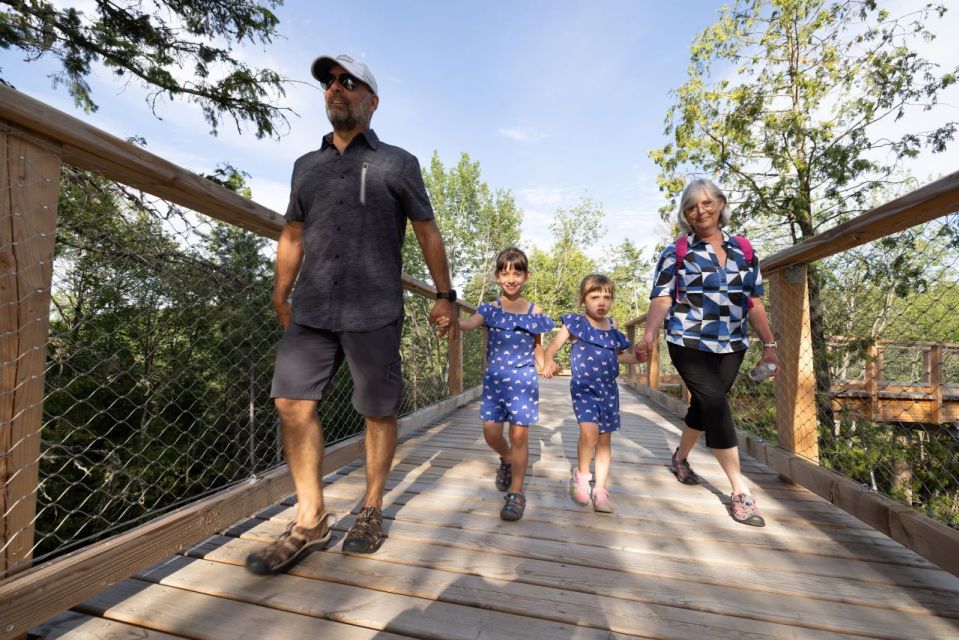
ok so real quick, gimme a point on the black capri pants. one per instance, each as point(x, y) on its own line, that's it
point(709, 377)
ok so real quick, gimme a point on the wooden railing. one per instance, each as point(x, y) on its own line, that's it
point(35, 140)
point(796, 456)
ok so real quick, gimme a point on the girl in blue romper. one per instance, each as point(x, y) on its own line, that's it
point(598, 349)
point(514, 355)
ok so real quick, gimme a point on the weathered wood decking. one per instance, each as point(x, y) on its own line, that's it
point(670, 562)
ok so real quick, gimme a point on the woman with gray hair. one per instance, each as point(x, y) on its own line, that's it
point(706, 287)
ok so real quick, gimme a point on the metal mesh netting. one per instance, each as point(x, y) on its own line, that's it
point(883, 395)
point(160, 358)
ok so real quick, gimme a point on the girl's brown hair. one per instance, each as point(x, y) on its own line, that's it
point(595, 282)
point(512, 257)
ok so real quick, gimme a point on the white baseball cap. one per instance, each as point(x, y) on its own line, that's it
point(323, 64)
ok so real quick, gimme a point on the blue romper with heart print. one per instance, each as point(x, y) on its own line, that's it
point(595, 368)
point(510, 386)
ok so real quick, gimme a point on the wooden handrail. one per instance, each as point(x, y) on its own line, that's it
point(927, 203)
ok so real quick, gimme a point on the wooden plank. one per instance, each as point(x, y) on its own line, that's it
point(29, 181)
point(552, 588)
point(375, 609)
point(932, 201)
point(79, 626)
point(487, 596)
point(36, 595)
point(800, 541)
point(582, 528)
point(206, 617)
point(927, 537)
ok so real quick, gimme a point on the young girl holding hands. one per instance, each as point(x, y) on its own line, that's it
point(514, 355)
point(598, 349)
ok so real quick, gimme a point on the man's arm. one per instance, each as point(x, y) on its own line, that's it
point(434, 253)
point(289, 257)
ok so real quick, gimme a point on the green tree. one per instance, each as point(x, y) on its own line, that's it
point(476, 222)
point(630, 270)
point(154, 44)
point(781, 105)
point(557, 272)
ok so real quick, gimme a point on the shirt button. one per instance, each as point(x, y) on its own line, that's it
point(335, 283)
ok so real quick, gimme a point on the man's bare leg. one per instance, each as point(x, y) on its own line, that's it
point(303, 448)
point(380, 445)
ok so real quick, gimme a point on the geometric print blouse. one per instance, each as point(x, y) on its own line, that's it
point(712, 304)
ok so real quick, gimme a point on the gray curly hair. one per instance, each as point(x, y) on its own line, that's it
point(691, 194)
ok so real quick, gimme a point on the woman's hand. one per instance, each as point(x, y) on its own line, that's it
point(644, 348)
point(770, 357)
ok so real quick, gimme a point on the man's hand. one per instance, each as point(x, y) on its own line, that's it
point(443, 315)
point(284, 311)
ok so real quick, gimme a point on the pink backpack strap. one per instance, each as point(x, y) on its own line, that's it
point(682, 248)
point(747, 250)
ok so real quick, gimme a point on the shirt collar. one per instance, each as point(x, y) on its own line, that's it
point(369, 137)
point(692, 239)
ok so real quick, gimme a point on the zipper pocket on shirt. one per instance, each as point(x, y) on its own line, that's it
point(366, 165)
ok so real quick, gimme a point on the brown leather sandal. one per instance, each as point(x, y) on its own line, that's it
point(366, 534)
point(290, 547)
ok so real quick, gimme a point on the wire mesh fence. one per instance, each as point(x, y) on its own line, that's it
point(882, 394)
point(160, 354)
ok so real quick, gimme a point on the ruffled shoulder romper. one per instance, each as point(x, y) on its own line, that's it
point(510, 386)
point(595, 368)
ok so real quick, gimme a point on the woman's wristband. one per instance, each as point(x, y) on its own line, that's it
point(769, 345)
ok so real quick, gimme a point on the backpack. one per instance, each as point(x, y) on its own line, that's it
point(682, 248)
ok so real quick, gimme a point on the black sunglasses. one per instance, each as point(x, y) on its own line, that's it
point(346, 81)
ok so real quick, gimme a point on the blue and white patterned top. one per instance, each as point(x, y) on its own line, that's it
point(712, 303)
point(593, 355)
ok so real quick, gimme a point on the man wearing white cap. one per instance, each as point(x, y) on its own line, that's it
point(342, 246)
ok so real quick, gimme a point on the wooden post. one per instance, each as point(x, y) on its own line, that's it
point(29, 182)
point(872, 373)
point(631, 369)
point(796, 420)
point(454, 348)
point(934, 378)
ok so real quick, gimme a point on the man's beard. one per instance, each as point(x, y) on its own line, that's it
point(346, 118)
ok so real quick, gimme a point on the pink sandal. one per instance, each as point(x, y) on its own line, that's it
point(579, 487)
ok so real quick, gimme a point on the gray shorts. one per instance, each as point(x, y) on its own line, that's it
point(307, 358)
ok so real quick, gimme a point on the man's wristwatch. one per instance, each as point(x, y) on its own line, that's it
point(446, 295)
point(770, 345)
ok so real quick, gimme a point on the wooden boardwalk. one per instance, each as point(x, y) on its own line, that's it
point(670, 563)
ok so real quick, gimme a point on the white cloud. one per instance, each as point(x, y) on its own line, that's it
point(546, 196)
point(522, 134)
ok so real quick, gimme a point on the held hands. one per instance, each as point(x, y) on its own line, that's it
point(644, 348)
point(442, 315)
point(550, 369)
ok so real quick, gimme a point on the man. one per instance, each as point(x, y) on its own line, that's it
point(342, 244)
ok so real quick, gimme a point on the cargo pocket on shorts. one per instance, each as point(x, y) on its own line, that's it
point(394, 371)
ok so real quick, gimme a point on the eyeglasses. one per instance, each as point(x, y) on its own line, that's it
point(709, 206)
point(346, 81)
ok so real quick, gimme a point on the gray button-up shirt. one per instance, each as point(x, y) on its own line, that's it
point(354, 209)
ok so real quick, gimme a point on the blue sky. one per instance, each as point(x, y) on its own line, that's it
point(556, 100)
